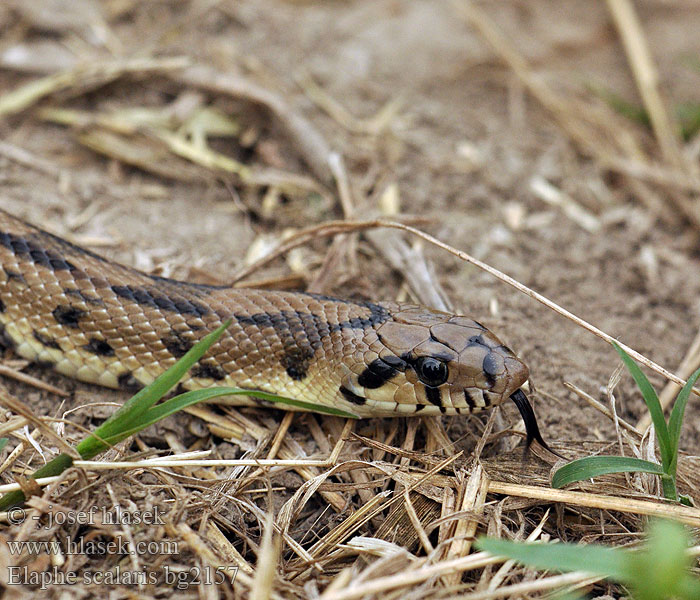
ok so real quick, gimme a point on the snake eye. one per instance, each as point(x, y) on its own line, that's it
point(431, 371)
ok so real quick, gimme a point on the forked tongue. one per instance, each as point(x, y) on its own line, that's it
point(531, 428)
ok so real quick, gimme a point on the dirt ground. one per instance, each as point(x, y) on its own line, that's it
point(465, 143)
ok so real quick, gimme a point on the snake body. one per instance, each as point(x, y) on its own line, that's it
point(109, 324)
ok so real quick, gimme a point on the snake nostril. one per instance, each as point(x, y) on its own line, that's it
point(492, 367)
point(493, 364)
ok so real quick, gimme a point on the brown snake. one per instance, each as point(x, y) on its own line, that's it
point(104, 323)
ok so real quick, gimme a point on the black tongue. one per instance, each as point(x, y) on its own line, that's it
point(531, 428)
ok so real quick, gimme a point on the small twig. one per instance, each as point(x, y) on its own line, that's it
point(14, 487)
point(340, 173)
point(684, 514)
point(658, 174)
point(603, 409)
point(279, 435)
point(494, 583)
point(412, 264)
point(553, 196)
point(21, 408)
point(372, 126)
point(33, 381)
point(21, 447)
point(525, 589)
point(96, 465)
point(268, 557)
point(404, 579)
point(473, 499)
point(646, 76)
point(343, 248)
point(92, 75)
point(415, 521)
point(27, 159)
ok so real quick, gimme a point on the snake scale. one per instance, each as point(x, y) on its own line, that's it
point(108, 324)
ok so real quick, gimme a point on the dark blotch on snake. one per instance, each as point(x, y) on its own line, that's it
point(434, 396)
point(68, 315)
point(177, 344)
point(208, 371)
point(40, 256)
point(95, 301)
point(394, 361)
point(129, 383)
point(296, 362)
point(15, 275)
point(312, 325)
point(99, 347)
point(5, 339)
point(150, 297)
point(2, 306)
point(377, 373)
point(352, 396)
point(468, 399)
point(45, 340)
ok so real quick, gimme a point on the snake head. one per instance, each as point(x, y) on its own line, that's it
point(430, 362)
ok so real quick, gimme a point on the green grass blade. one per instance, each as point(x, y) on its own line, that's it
point(3, 442)
point(50, 469)
point(594, 559)
point(662, 565)
point(128, 417)
point(319, 408)
point(593, 466)
point(654, 406)
point(179, 402)
point(149, 395)
point(173, 405)
point(634, 112)
point(688, 116)
point(689, 588)
point(675, 421)
point(166, 409)
point(656, 571)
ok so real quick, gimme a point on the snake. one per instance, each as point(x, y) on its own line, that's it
point(97, 321)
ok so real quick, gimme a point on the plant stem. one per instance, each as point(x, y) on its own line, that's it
point(50, 469)
point(668, 484)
